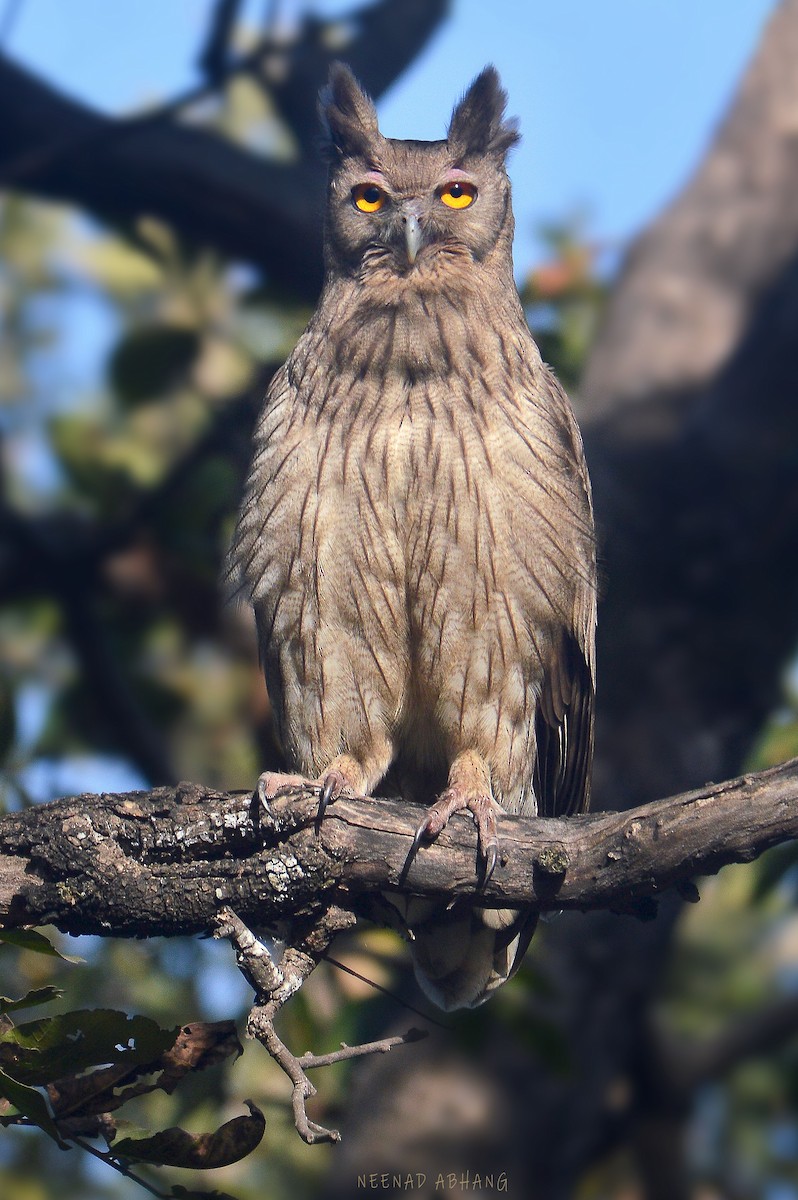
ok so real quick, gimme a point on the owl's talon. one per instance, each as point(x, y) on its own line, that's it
point(491, 852)
point(482, 809)
point(421, 835)
point(332, 785)
point(325, 795)
point(263, 794)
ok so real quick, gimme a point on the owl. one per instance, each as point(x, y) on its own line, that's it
point(416, 535)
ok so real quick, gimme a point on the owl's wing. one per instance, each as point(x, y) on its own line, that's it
point(564, 733)
point(259, 558)
point(266, 490)
point(565, 715)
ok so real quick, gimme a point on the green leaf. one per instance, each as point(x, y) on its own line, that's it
point(31, 1104)
point(38, 996)
point(31, 939)
point(149, 361)
point(201, 1151)
point(41, 1051)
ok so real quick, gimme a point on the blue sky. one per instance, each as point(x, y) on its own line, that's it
point(616, 98)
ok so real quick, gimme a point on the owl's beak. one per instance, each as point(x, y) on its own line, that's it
point(413, 235)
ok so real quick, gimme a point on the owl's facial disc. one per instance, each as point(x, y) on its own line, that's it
point(414, 204)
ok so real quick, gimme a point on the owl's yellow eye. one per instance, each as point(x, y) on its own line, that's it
point(458, 195)
point(368, 198)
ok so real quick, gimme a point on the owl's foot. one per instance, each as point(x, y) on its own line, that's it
point(344, 774)
point(481, 807)
point(272, 784)
point(468, 791)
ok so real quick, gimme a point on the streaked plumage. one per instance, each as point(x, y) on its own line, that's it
point(416, 535)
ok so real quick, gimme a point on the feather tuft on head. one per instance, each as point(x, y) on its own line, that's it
point(477, 125)
point(348, 115)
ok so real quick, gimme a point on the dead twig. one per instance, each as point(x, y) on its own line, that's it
point(274, 982)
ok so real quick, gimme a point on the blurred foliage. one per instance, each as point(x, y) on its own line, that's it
point(149, 452)
point(564, 296)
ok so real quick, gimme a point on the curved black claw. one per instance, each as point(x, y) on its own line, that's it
point(326, 795)
point(489, 864)
point(418, 838)
point(263, 795)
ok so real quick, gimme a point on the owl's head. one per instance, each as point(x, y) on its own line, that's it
point(410, 207)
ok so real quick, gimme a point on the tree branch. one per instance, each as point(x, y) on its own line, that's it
point(252, 209)
point(162, 863)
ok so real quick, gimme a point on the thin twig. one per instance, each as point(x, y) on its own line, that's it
point(308, 1060)
point(118, 1165)
point(261, 1026)
point(274, 983)
point(214, 55)
point(377, 987)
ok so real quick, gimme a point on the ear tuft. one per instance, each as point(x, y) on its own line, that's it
point(348, 115)
point(477, 125)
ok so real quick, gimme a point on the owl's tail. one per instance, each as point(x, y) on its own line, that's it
point(463, 953)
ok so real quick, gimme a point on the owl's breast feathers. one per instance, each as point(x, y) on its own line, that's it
point(417, 542)
point(416, 536)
